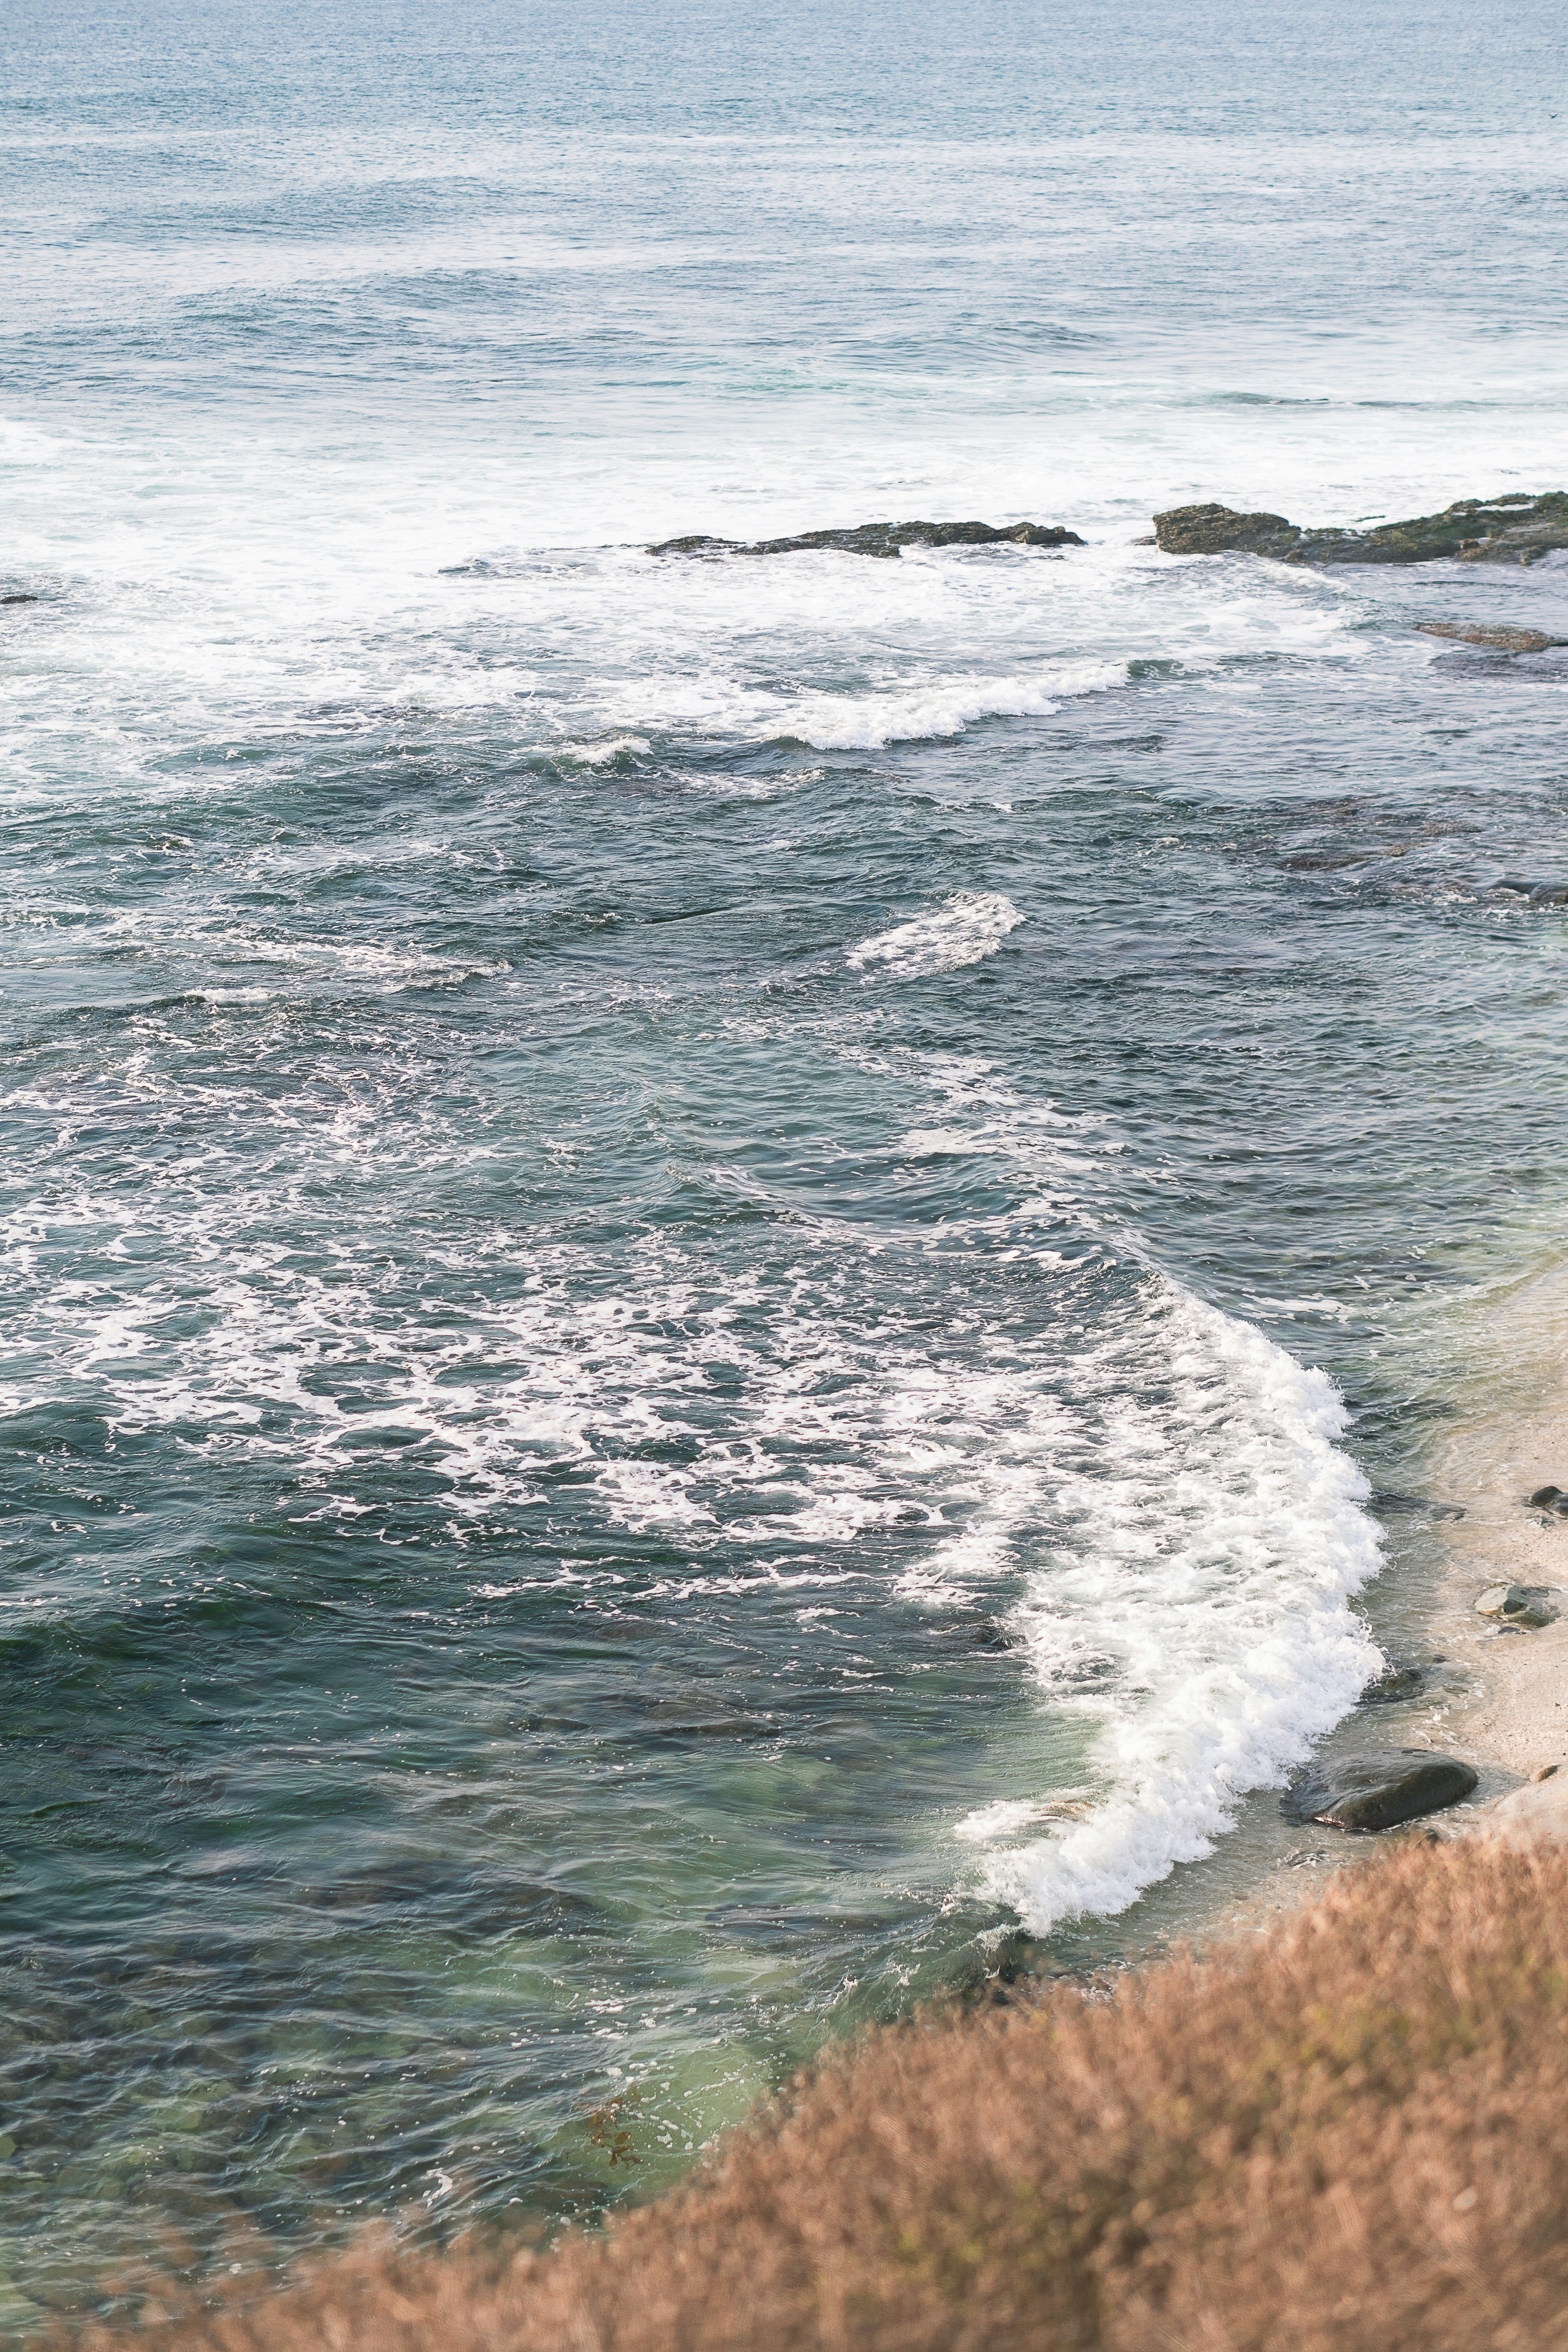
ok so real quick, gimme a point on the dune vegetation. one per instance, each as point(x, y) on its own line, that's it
point(1351, 2131)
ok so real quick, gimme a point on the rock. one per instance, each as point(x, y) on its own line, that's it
point(1375, 1792)
point(1395, 1683)
point(1220, 531)
point(1518, 1604)
point(1388, 1500)
point(881, 539)
point(991, 1636)
point(1507, 640)
point(18, 600)
point(701, 543)
point(1514, 529)
point(1544, 1497)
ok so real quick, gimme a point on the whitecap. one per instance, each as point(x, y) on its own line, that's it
point(966, 929)
point(931, 710)
point(600, 755)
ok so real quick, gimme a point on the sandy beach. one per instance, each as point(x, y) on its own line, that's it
point(1502, 1702)
point(1512, 1715)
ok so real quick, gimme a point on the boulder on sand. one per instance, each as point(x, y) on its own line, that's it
point(1518, 1604)
point(883, 538)
point(1374, 1792)
point(1512, 529)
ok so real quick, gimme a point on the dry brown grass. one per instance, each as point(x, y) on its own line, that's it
point(1352, 2136)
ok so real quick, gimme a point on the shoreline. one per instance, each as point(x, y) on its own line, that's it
point(1505, 1711)
point(1513, 1715)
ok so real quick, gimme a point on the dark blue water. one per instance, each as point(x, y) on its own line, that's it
point(706, 1263)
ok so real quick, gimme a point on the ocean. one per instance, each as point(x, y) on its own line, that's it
point(726, 1279)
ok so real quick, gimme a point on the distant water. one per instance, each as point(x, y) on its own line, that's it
point(706, 1263)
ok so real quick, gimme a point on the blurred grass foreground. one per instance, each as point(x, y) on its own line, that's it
point(1350, 2132)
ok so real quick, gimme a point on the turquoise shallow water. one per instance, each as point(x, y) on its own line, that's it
point(707, 1264)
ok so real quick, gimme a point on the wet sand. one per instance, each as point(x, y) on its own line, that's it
point(1512, 1715)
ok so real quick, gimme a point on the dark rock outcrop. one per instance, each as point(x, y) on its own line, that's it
point(1220, 531)
point(884, 538)
point(1545, 1499)
point(1375, 1792)
point(1512, 529)
point(1502, 641)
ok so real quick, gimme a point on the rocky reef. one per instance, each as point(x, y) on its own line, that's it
point(1512, 529)
point(1494, 640)
point(883, 538)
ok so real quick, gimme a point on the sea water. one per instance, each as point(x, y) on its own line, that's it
point(721, 1276)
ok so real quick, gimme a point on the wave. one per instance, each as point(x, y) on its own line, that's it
point(1168, 1500)
point(1200, 1611)
point(929, 711)
point(1150, 1493)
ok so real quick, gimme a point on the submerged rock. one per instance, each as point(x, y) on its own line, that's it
point(1518, 1604)
point(1513, 530)
point(1375, 1792)
point(1387, 1499)
point(882, 538)
point(1395, 1683)
point(1506, 641)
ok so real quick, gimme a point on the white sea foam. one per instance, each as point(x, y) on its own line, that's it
point(965, 930)
point(599, 755)
point(933, 709)
point(1163, 1511)
point(282, 615)
point(1197, 1609)
point(1188, 1535)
